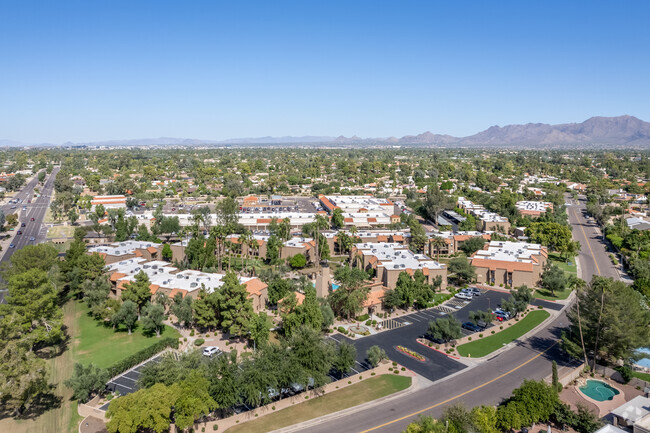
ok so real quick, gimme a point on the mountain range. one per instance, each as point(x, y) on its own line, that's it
point(622, 131)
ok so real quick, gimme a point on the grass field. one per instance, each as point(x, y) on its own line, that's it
point(60, 231)
point(102, 346)
point(367, 390)
point(487, 345)
point(642, 376)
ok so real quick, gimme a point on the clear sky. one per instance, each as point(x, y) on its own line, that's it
point(95, 70)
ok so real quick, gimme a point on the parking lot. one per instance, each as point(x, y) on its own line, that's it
point(126, 383)
point(404, 331)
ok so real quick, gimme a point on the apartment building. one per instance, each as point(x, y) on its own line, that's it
point(119, 251)
point(490, 221)
point(390, 259)
point(171, 281)
point(108, 201)
point(533, 208)
point(510, 263)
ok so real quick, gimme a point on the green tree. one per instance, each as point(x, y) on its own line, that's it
point(345, 356)
point(472, 245)
point(260, 328)
point(148, 408)
point(87, 380)
point(235, 307)
point(96, 291)
point(444, 329)
point(348, 299)
point(273, 247)
point(127, 315)
point(167, 253)
point(138, 291)
point(375, 355)
point(192, 400)
point(152, 321)
point(553, 279)
point(337, 219)
point(298, 261)
point(462, 269)
point(312, 354)
point(182, 309)
point(73, 216)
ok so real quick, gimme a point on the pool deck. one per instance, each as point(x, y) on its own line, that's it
point(572, 395)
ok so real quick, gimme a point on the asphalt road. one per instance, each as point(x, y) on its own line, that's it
point(36, 209)
point(492, 381)
point(593, 257)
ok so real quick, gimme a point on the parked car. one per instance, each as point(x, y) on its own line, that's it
point(210, 351)
point(471, 326)
point(501, 315)
point(474, 291)
point(12, 246)
point(22, 224)
point(20, 232)
point(32, 219)
point(464, 295)
point(32, 239)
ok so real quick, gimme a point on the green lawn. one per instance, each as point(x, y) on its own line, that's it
point(102, 346)
point(642, 376)
point(487, 345)
point(367, 390)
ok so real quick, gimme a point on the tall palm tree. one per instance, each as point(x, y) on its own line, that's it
point(578, 285)
point(437, 243)
point(245, 240)
point(220, 233)
point(320, 222)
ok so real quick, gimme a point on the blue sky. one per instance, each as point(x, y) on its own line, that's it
point(97, 70)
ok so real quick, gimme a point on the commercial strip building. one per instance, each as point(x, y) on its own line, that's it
point(510, 263)
point(388, 260)
point(361, 211)
point(490, 221)
point(171, 281)
point(108, 201)
point(533, 208)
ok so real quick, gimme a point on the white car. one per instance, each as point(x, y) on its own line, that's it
point(211, 350)
point(464, 295)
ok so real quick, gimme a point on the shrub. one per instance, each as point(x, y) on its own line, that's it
point(207, 335)
point(273, 407)
point(501, 327)
point(215, 427)
point(480, 335)
point(373, 373)
point(396, 371)
point(341, 329)
point(306, 397)
point(493, 332)
point(192, 333)
point(469, 339)
point(349, 382)
point(368, 322)
point(394, 364)
point(626, 372)
point(142, 355)
point(403, 369)
point(184, 338)
point(257, 414)
point(227, 343)
point(363, 318)
point(374, 322)
point(360, 377)
point(199, 341)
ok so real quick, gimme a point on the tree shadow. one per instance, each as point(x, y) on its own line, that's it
point(42, 403)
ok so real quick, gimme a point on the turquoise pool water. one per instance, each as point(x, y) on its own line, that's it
point(598, 390)
point(644, 362)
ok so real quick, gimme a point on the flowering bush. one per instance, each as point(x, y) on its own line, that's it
point(411, 353)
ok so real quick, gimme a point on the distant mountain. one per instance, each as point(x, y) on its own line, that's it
point(621, 131)
point(596, 130)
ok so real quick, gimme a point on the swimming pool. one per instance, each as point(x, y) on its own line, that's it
point(599, 390)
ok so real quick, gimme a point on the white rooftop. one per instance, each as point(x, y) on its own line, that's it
point(534, 206)
point(633, 410)
point(397, 256)
point(122, 248)
point(510, 251)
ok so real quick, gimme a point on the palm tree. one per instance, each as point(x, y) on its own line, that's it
point(320, 222)
point(578, 284)
point(245, 240)
point(219, 232)
point(437, 243)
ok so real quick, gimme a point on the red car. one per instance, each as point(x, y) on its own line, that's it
point(32, 219)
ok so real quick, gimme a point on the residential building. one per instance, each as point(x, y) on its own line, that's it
point(533, 208)
point(510, 263)
point(390, 259)
point(119, 251)
point(108, 201)
point(171, 281)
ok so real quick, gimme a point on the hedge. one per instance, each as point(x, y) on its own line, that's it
point(141, 356)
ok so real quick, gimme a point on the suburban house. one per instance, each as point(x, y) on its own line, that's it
point(390, 259)
point(510, 263)
point(633, 415)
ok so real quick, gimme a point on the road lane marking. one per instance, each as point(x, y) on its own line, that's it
point(588, 243)
point(411, 415)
